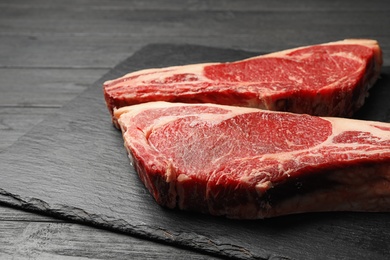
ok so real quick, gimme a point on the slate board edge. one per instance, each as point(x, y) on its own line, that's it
point(191, 241)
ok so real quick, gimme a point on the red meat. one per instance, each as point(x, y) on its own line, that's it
point(249, 163)
point(330, 79)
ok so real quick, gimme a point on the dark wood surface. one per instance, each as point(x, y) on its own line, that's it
point(50, 51)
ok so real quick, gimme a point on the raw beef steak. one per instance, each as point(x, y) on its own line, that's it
point(329, 80)
point(249, 163)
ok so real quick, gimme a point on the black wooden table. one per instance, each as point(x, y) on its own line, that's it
point(51, 51)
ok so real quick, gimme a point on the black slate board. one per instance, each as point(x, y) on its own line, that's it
point(73, 165)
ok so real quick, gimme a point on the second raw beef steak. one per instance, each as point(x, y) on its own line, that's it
point(330, 79)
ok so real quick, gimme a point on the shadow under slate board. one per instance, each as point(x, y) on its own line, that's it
point(73, 165)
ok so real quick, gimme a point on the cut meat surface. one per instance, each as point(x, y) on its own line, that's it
point(249, 163)
point(329, 79)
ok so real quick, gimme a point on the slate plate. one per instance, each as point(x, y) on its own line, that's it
point(74, 166)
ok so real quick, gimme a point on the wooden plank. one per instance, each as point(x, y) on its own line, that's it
point(63, 51)
point(101, 38)
point(74, 20)
point(224, 5)
point(104, 52)
point(189, 23)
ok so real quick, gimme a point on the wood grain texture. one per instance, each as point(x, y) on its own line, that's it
point(85, 35)
point(82, 173)
point(26, 235)
point(221, 5)
point(52, 50)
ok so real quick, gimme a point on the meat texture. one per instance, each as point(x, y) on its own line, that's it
point(329, 79)
point(249, 163)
